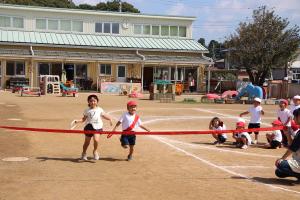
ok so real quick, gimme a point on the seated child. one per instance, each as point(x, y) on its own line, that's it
point(243, 139)
point(275, 138)
point(217, 124)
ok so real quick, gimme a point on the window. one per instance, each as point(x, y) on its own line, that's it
point(14, 68)
point(146, 29)
point(65, 25)
point(98, 27)
point(115, 28)
point(4, 21)
point(182, 31)
point(155, 30)
point(105, 69)
point(81, 70)
point(165, 30)
point(173, 30)
point(44, 69)
point(77, 26)
point(137, 29)
point(18, 22)
point(53, 24)
point(41, 24)
point(107, 27)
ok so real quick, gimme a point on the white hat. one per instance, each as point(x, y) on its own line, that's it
point(241, 120)
point(257, 99)
point(297, 97)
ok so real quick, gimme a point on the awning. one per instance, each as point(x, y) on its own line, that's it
point(99, 41)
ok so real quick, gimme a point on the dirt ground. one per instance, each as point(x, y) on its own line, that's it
point(164, 167)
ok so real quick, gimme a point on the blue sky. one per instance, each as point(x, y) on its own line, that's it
point(216, 19)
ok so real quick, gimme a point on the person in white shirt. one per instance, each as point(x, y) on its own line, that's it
point(285, 116)
point(92, 117)
point(290, 167)
point(243, 139)
point(256, 111)
point(296, 103)
point(130, 122)
point(275, 138)
point(217, 124)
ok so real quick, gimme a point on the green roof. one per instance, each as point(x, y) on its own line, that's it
point(99, 41)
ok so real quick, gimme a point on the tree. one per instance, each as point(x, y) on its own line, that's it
point(215, 50)
point(114, 6)
point(86, 7)
point(267, 42)
point(45, 3)
point(202, 41)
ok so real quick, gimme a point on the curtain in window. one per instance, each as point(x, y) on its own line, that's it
point(65, 25)
point(18, 22)
point(53, 24)
point(4, 21)
point(41, 23)
point(77, 26)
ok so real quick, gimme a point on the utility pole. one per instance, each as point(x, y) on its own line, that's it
point(120, 6)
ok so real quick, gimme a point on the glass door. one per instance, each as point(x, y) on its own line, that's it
point(121, 73)
point(69, 68)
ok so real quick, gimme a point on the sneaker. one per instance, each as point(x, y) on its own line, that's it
point(84, 156)
point(254, 142)
point(96, 156)
point(244, 147)
point(129, 157)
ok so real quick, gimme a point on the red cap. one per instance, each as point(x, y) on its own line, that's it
point(131, 103)
point(277, 122)
point(284, 101)
point(240, 124)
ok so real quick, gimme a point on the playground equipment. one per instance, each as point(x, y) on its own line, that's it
point(225, 97)
point(49, 84)
point(251, 90)
point(31, 91)
point(162, 89)
point(68, 90)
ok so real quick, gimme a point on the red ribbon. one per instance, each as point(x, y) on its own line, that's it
point(141, 133)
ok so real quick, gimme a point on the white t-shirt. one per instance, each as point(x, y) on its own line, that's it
point(127, 119)
point(284, 116)
point(94, 117)
point(246, 134)
point(220, 128)
point(255, 114)
point(277, 135)
point(293, 107)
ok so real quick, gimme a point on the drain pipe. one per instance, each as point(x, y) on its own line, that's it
point(31, 70)
point(142, 70)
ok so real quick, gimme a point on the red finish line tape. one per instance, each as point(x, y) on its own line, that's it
point(141, 133)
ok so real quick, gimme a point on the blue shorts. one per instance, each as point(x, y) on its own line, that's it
point(128, 140)
point(89, 127)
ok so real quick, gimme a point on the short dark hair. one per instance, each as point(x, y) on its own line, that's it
point(296, 112)
point(92, 96)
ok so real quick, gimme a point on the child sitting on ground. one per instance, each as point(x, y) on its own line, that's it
point(275, 138)
point(243, 139)
point(217, 124)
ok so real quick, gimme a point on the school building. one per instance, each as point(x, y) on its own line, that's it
point(97, 46)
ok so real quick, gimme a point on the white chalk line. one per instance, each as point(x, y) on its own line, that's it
point(245, 167)
point(160, 139)
point(14, 119)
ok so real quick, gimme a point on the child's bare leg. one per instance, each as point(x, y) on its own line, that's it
point(125, 146)
point(288, 136)
point(269, 137)
point(96, 141)
point(215, 136)
point(131, 150)
point(244, 141)
point(86, 144)
point(256, 136)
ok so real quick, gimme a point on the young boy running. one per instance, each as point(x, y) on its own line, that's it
point(130, 122)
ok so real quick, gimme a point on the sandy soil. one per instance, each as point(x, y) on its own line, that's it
point(164, 167)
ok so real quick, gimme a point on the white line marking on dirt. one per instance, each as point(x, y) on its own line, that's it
point(11, 105)
point(161, 140)
point(262, 167)
point(14, 119)
point(2, 103)
point(199, 146)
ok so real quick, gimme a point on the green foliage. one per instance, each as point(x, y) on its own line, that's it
point(105, 6)
point(202, 41)
point(215, 48)
point(265, 43)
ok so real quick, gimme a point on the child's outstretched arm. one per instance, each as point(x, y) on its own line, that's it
point(116, 126)
point(244, 113)
point(145, 128)
point(82, 120)
point(262, 112)
point(107, 117)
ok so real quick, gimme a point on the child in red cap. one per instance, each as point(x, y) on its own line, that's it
point(275, 138)
point(243, 139)
point(130, 122)
point(284, 115)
